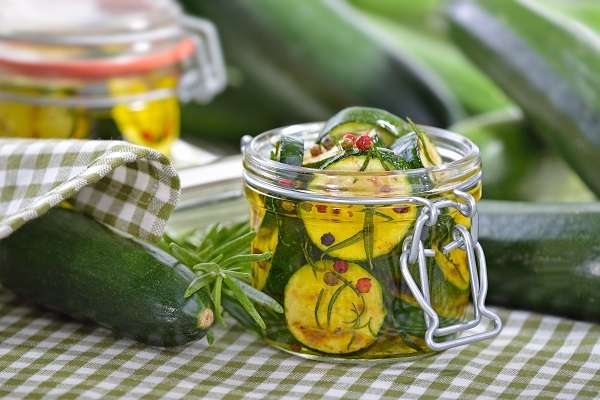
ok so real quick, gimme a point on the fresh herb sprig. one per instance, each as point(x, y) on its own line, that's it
point(221, 259)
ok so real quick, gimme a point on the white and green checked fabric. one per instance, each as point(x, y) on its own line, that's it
point(45, 356)
point(132, 188)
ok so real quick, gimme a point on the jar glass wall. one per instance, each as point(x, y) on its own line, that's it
point(336, 239)
point(66, 108)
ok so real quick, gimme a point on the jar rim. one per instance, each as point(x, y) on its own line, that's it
point(460, 171)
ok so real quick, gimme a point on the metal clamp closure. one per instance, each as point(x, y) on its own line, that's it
point(466, 240)
point(208, 77)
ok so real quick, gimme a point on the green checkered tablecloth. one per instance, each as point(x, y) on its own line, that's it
point(45, 356)
point(133, 188)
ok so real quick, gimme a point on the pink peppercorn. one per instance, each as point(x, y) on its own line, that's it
point(286, 182)
point(340, 266)
point(363, 285)
point(364, 142)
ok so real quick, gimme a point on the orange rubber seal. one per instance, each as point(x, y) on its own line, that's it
point(97, 69)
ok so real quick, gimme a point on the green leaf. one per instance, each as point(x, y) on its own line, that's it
point(210, 337)
point(334, 297)
point(198, 283)
point(234, 309)
point(239, 274)
point(244, 301)
point(208, 267)
point(382, 215)
point(217, 258)
point(217, 299)
point(235, 244)
point(368, 229)
point(346, 242)
point(246, 258)
point(259, 297)
point(184, 255)
point(317, 305)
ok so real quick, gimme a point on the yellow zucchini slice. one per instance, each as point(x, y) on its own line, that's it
point(328, 225)
point(428, 153)
point(45, 122)
point(153, 123)
point(267, 236)
point(266, 239)
point(334, 312)
point(453, 266)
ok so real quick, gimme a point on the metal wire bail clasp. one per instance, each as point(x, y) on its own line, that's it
point(209, 76)
point(466, 240)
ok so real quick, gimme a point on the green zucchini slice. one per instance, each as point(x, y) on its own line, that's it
point(323, 159)
point(334, 312)
point(417, 150)
point(359, 120)
point(290, 151)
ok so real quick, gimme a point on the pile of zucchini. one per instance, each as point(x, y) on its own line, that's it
point(534, 116)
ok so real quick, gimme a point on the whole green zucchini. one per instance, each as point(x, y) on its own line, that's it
point(291, 61)
point(70, 263)
point(507, 150)
point(543, 257)
point(476, 92)
point(547, 63)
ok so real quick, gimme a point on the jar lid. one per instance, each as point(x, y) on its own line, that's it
point(98, 39)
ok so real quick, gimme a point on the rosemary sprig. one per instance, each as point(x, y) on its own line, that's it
point(369, 232)
point(221, 259)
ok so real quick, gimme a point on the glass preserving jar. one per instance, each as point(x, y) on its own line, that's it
point(368, 265)
point(103, 69)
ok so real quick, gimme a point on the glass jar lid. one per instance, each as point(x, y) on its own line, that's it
point(100, 39)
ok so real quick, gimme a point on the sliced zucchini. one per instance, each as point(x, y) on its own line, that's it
point(418, 150)
point(373, 185)
point(359, 120)
point(290, 151)
point(322, 159)
point(430, 157)
point(409, 317)
point(334, 312)
point(289, 255)
point(266, 240)
point(355, 232)
point(453, 264)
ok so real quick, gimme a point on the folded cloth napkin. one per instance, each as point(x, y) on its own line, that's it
point(132, 188)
